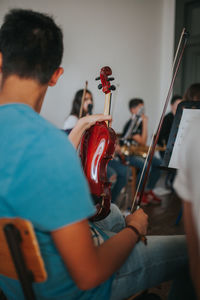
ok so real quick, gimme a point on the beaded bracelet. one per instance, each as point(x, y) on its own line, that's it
point(136, 231)
point(140, 236)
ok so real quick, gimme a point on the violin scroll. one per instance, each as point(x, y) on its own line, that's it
point(105, 80)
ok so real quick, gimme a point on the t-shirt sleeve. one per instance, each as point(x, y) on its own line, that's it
point(55, 191)
point(70, 122)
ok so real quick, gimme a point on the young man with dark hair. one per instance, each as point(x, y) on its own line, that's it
point(133, 103)
point(41, 180)
point(135, 132)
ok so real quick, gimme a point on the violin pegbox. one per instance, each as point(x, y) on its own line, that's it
point(105, 80)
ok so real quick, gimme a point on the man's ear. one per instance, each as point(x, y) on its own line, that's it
point(54, 78)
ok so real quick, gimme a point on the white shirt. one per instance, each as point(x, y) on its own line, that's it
point(187, 181)
point(70, 122)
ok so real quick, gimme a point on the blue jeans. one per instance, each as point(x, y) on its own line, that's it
point(164, 258)
point(138, 162)
point(122, 171)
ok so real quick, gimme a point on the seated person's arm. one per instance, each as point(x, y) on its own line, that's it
point(193, 247)
point(141, 139)
point(89, 265)
point(83, 124)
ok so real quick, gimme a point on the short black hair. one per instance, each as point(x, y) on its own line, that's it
point(135, 102)
point(31, 44)
point(174, 98)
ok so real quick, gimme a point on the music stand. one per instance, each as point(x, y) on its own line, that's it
point(174, 131)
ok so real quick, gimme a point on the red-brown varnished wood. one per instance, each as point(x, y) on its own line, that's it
point(97, 148)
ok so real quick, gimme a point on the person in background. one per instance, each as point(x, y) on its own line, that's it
point(73, 117)
point(187, 187)
point(163, 139)
point(167, 123)
point(135, 132)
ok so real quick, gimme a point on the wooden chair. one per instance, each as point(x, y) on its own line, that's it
point(20, 254)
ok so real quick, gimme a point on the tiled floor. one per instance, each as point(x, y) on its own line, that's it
point(163, 218)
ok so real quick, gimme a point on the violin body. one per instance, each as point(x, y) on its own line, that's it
point(97, 148)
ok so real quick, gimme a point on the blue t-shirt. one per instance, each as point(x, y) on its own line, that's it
point(41, 180)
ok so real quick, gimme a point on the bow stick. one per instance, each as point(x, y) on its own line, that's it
point(183, 40)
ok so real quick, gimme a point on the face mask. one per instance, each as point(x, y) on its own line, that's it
point(140, 111)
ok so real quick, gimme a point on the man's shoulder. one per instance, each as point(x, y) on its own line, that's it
point(32, 132)
point(51, 139)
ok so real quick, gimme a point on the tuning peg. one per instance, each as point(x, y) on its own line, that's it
point(100, 86)
point(111, 78)
point(98, 78)
point(112, 88)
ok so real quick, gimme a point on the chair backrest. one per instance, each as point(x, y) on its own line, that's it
point(19, 248)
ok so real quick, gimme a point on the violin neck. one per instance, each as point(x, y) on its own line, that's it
point(107, 105)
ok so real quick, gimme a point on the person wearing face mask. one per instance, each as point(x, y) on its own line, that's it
point(135, 132)
point(116, 170)
point(73, 117)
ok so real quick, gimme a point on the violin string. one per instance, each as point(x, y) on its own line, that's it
point(151, 148)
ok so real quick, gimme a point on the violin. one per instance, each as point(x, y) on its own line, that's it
point(96, 149)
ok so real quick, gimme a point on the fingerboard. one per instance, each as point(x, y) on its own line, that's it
point(107, 105)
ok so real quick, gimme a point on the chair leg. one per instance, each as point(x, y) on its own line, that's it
point(2, 296)
point(25, 276)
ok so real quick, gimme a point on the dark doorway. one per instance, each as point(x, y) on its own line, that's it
point(188, 16)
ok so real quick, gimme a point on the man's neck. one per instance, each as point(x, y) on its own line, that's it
point(27, 91)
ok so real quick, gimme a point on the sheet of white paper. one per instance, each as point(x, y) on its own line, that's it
point(187, 117)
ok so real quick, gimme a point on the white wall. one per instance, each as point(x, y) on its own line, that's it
point(133, 37)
